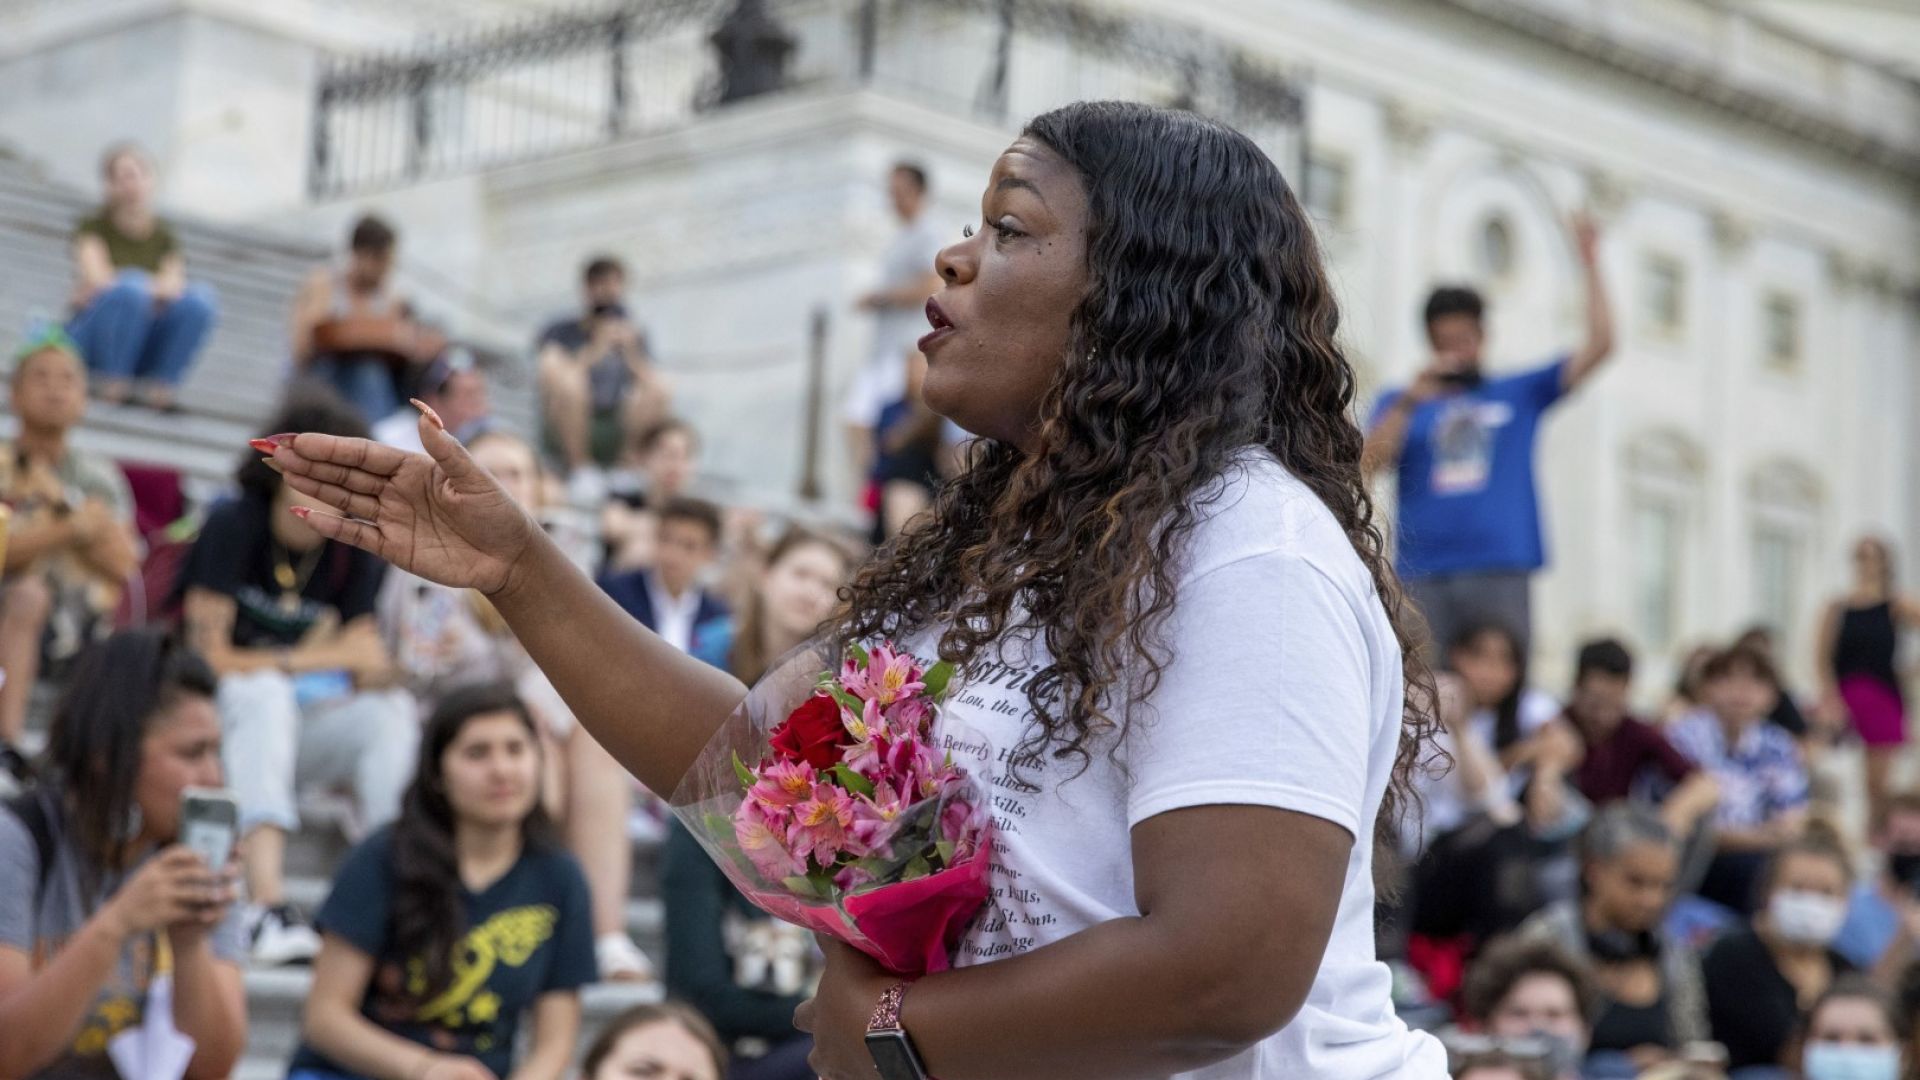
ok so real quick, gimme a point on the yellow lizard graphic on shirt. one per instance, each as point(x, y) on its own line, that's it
point(509, 937)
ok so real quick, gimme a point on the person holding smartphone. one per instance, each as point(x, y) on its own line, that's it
point(1461, 443)
point(98, 898)
point(598, 388)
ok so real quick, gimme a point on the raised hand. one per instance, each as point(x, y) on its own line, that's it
point(1586, 237)
point(438, 515)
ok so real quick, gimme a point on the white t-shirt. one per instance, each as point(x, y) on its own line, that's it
point(1284, 689)
point(1537, 709)
point(673, 618)
point(896, 330)
point(1444, 805)
point(400, 430)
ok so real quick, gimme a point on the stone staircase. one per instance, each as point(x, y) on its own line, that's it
point(238, 380)
point(233, 388)
point(231, 392)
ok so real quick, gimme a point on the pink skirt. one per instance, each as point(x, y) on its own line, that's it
point(1876, 710)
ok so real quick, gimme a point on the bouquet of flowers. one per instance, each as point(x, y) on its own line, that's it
point(840, 815)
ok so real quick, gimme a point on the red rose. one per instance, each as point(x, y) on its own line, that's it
point(813, 733)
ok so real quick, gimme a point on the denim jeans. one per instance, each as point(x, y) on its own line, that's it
point(365, 382)
point(1452, 603)
point(123, 335)
point(365, 740)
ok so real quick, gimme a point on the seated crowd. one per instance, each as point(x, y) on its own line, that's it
point(493, 842)
point(1587, 892)
point(1594, 895)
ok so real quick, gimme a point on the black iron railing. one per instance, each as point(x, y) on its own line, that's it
point(570, 82)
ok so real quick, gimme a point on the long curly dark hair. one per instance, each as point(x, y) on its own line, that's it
point(428, 917)
point(1208, 326)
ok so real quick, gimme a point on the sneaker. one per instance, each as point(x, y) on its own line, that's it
point(280, 935)
point(620, 959)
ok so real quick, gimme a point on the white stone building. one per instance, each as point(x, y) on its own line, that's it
point(1757, 186)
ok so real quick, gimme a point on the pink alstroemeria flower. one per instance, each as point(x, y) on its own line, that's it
point(851, 877)
point(915, 767)
point(910, 716)
point(869, 725)
point(888, 677)
point(876, 819)
point(783, 784)
point(820, 824)
point(960, 825)
point(762, 837)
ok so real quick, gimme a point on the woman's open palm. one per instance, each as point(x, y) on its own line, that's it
point(439, 515)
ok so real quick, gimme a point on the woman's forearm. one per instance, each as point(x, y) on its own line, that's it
point(1386, 439)
point(209, 1005)
point(652, 706)
point(358, 1046)
point(1113, 1002)
point(1696, 796)
point(42, 1016)
point(28, 544)
point(556, 1027)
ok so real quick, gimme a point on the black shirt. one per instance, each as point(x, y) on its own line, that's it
point(1624, 1027)
point(1867, 644)
point(529, 933)
point(237, 556)
point(609, 379)
point(701, 961)
point(1752, 1007)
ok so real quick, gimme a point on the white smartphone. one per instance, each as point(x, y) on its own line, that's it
point(210, 823)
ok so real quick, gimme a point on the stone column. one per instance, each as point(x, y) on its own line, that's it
point(1730, 341)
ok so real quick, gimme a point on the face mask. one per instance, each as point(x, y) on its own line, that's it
point(1846, 1061)
point(1806, 918)
point(1904, 867)
point(1562, 1057)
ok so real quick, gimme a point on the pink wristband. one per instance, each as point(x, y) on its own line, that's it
point(886, 1015)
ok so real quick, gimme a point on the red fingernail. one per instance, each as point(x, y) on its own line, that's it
point(265, 446)
point(300, 512)
point(432, 416)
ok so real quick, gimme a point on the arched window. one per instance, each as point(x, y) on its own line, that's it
point(1784, 512)
point(1497, 255)
point(1663, 507)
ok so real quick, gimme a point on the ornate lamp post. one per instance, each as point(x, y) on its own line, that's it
point(753, 49)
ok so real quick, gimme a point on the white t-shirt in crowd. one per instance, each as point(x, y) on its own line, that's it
point(896, 330)
point(882, 380)
point(1284, 689)
point(400, 430)
point(1537, 709)
point(673, 618)
point(1444, 805)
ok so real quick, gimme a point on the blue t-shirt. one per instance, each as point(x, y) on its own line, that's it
point(529, 933)
point(1872, 924)
point(1467, 498)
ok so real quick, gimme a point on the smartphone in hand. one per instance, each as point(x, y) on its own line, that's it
point(210, 824)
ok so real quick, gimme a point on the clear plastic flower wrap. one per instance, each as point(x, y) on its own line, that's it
point(825, 800)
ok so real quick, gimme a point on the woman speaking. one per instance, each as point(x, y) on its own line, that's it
point(1163, 584)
